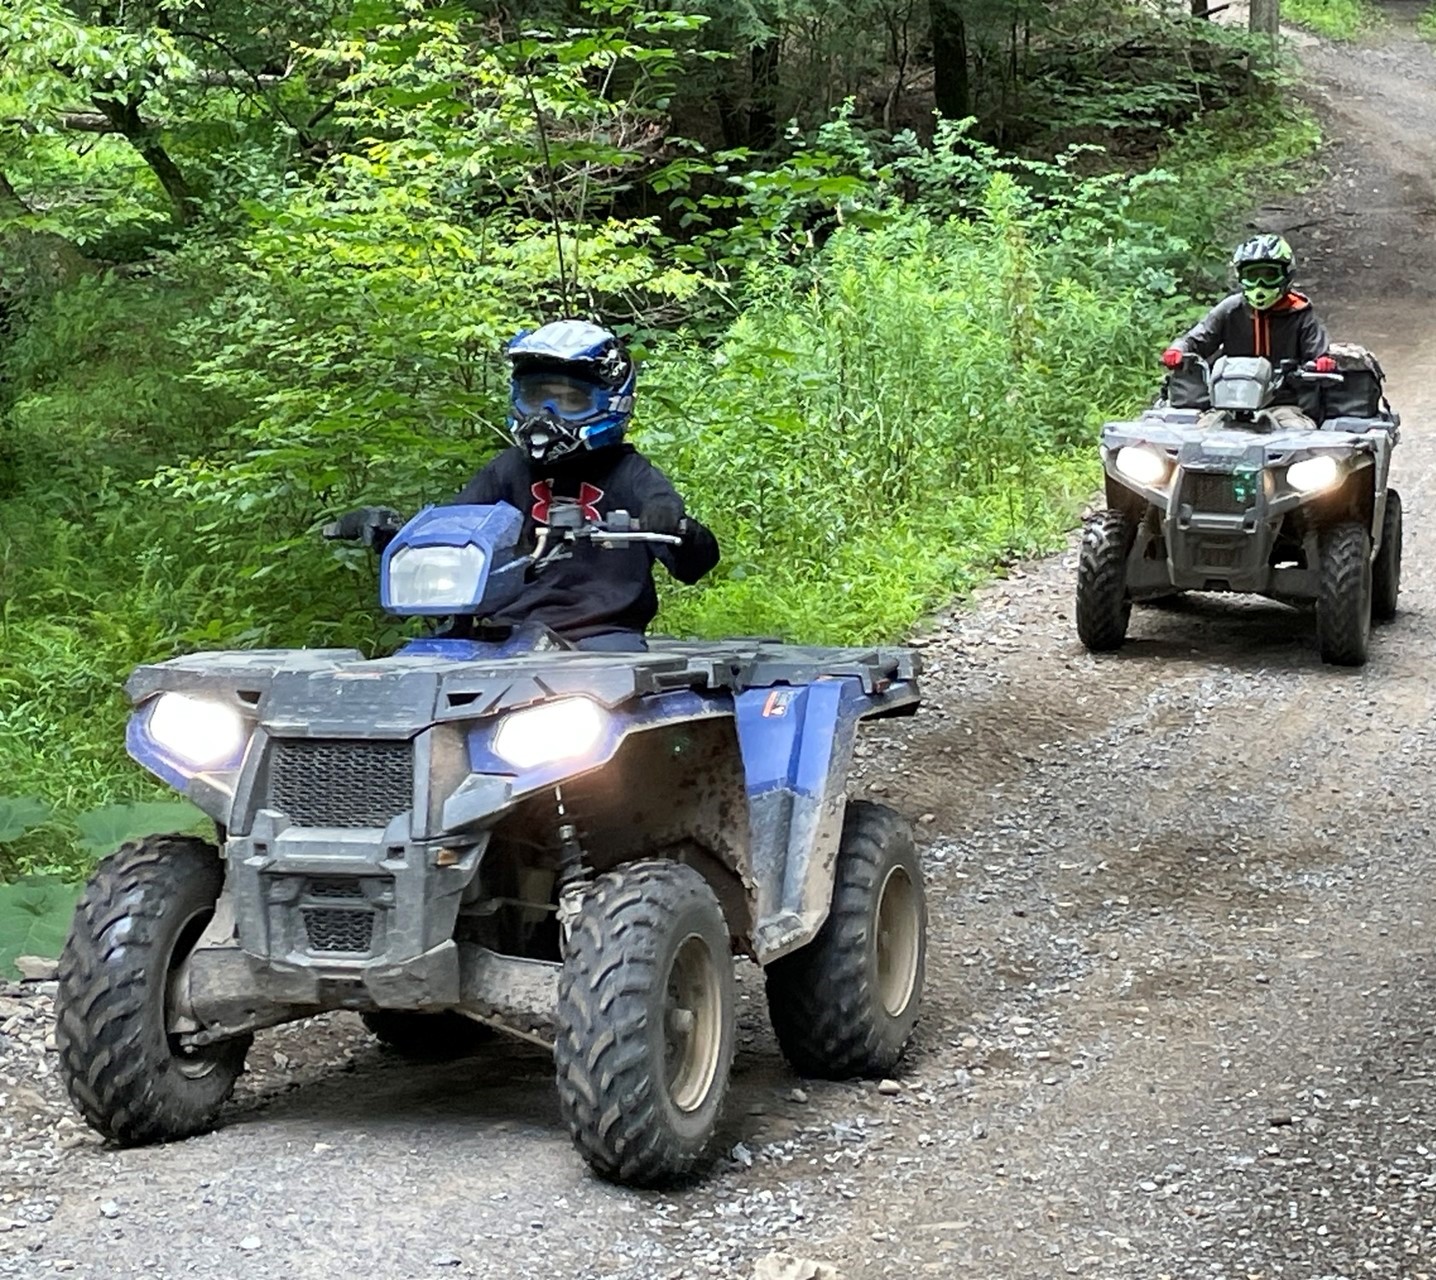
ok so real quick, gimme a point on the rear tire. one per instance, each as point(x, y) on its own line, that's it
point(137, 920)
point(845, 1005)
point(1386, 572)
point(645, 1023)
point(1103, 606)
point(1344, 605)
point(427, 1037)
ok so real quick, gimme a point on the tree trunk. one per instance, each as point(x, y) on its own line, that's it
point(763, 110)
point(1266, 17)
point(951, 85)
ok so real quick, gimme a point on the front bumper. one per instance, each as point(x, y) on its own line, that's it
point(1218, 531)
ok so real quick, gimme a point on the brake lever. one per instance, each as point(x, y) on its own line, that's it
point(606, 539)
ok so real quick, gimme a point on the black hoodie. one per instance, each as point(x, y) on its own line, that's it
point(597, 589)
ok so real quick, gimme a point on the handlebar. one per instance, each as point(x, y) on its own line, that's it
point(619, 529)
point(1282, 370)
point(366, 525)
point(567, 525)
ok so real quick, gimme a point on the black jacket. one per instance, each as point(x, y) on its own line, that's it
point(597, 589)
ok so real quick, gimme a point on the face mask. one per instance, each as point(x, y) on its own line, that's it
point(1262, 287)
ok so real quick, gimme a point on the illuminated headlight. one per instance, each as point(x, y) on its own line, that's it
point(1145, 466)
point(1311, 475)
point(547, 734)
point(197, 731)
point(435, 577)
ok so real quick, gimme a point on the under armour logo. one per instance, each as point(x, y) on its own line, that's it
point(589, 496)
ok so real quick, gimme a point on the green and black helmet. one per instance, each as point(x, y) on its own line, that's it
point(1264, 266)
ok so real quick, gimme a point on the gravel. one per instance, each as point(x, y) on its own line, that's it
point(1180, 1007)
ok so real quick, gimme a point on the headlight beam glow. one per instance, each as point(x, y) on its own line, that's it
point(198, 731)
point(1139, 463)
point(1311, 475)
point(567, 729)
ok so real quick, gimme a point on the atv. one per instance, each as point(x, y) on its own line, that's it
point(490, 830)
point(1211, 491)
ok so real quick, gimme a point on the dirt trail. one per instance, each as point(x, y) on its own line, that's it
point(1182, 989)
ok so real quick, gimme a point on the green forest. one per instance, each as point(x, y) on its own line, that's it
point(887, 265)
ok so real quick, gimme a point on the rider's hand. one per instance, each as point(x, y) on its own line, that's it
point(1172, 357)
point(662, 514)
point(1324, 364)
point(362, 524)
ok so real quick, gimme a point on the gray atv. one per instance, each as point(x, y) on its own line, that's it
point(492, 831)
point(1211, 490)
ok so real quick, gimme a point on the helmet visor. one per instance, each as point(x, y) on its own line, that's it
point(564, 396)
point(1261, 275)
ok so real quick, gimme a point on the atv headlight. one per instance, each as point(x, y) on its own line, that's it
point(1145, 466)
point(435, 577)
point(553, 731)
point(1311, 475)
point(200, 732)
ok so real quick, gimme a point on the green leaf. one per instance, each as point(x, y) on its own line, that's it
point(34, 919)
point(103, 830)
point(18, 814)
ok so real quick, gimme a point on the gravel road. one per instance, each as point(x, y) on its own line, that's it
point(1181, 1013)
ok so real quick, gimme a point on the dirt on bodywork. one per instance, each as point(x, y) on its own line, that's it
point(1181, 1000)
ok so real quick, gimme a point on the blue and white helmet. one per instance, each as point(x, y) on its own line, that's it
point(571, 389)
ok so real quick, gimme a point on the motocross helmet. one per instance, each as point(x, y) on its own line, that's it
point(1264, 266)
point(570, 389)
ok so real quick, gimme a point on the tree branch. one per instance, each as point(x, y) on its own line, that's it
point(125, 118)
point(9, 197)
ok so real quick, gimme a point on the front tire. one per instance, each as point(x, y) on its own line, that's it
point(136, 922)
point(1344, 605)
point(845, 1005)
point(1386, 572)
point(1103, 606)
point(645, 1023)
point(427, 1037)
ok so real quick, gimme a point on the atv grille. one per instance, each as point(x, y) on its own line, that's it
point(336, 887)
point(1217, 556)
point(338, 783)
point(339, 929)
point(1216, 491)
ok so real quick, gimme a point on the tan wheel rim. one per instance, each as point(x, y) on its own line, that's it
point(693, 1024)
point(899, 928)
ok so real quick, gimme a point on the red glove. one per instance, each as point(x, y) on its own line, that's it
point(1172, 357)
point(1324, 364)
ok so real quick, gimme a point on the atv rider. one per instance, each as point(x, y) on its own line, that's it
point(571, 397)
point(1266, 318)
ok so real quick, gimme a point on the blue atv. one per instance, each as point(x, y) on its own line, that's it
point(490, 830)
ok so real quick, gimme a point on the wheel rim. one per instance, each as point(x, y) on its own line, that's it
point(899, 928)
point(193, 1064)
point(693, 1024)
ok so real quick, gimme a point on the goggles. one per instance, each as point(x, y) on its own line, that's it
point(1268, 274)
point(566, 397)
